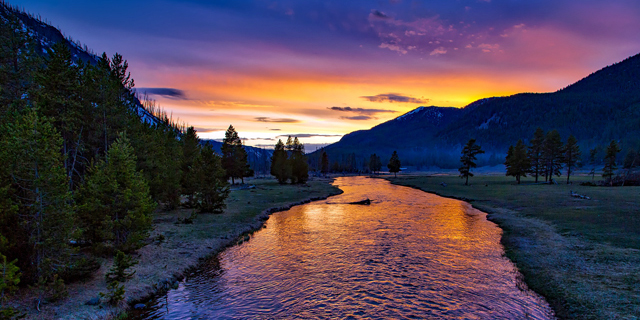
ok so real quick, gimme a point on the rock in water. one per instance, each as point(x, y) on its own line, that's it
point(365, 202)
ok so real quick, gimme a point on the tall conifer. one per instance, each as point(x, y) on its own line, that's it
point(571, 155)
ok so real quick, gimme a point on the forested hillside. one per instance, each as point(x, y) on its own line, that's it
point(84, 162)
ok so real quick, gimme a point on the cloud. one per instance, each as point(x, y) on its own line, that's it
point(165, 92)
point(394, 97)
point(275, 129)
point(308, 135)
point(377, 14)
point(393, 47)
point(277, 120)
point(202, 129)
point(438, 51)
point(362, 111)
point(358, 118)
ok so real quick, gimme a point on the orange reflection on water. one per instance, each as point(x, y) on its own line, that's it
point(408, 254)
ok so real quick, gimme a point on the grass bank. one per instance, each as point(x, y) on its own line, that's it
point(582, 255)
point(179, 248)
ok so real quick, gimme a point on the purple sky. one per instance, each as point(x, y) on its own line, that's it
point(326, 68)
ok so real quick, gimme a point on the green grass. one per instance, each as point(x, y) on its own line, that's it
point(582, 255)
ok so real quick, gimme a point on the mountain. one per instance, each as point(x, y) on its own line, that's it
point(603, 106)
point(46, 36)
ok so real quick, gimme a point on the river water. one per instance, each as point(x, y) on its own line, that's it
point(408, 255)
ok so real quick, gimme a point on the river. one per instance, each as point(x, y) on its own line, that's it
point(408, 255)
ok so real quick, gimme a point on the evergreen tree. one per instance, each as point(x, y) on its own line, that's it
point(571, 154)
point(469, 153)
point(553, 154)
point(394, 164)
point(234, 157)
point(38, 206)
point(517, 162)
point(190, 156)
point(59, 97)
point(299, 165)
point(610, 161)
point(213, 188)
point(325, 163)
point(114, 202)
point(280, 164)
point(375, 164)
point(535, 153)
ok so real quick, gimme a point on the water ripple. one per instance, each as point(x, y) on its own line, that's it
point(408, 255)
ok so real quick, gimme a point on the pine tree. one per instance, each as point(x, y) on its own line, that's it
point(394, 164)
point(469, 153)
point(571, 154)
point(114, 202)
point(517, 161)
point(39, 196)
point(190, 156)
point(610, 161)
point(535, 153)
point(213, 188)
point(280, 163)
point(59, 97)
point(375, 164)
point(325, 163)
point(299, 166)
point(234, 157)
point(553, 154)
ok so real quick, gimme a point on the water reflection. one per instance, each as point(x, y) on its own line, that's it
point(407, 255)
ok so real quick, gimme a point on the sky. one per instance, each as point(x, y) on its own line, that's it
point(321, 69)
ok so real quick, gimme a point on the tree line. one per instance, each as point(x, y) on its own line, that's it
point(85, 163)
point(546, 156)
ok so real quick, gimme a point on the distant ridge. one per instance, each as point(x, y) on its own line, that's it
point(601, 107)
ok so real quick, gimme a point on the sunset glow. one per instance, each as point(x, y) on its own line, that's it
point(321, 69)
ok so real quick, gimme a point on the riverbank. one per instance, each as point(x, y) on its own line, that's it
point(582, 255)
point(179, 248)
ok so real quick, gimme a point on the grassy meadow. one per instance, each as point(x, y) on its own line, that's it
point(582, 255)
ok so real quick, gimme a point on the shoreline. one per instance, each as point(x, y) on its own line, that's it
point(579, 277)
point(162, 265)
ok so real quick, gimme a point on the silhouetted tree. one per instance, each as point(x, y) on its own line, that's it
point(571, 154)
point(298, 161)
point(610, 161)
point(535, 153)
point(234, 157)
point(279, 163)
point(324, 169)
point(553, 154)
point(469, 153)
point(517, 162)
point(394, 164)
point(375, 164)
